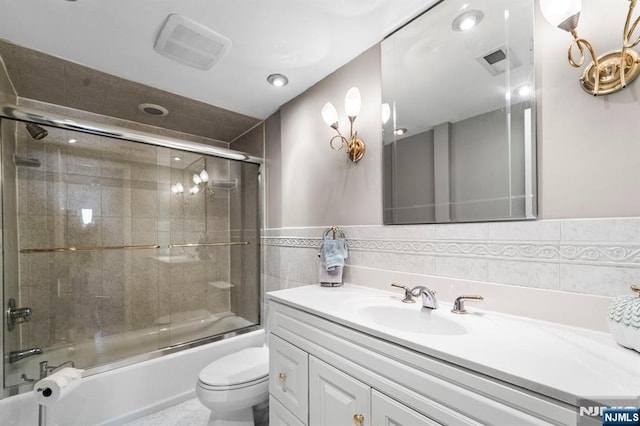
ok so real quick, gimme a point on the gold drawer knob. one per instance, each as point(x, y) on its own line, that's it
point(358, 419)
point(282, 377)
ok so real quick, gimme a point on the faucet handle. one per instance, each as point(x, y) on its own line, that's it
point(408, 297)
point(458, 305)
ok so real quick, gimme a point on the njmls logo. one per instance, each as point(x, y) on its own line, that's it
point(621, 417)
point(592, 411)
point(609, 411)
point(598, 411)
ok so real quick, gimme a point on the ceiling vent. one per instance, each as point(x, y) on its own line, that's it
point(190, 43)
point(497, 60)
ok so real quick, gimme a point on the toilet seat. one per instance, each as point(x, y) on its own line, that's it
point(233, 386)
point(242, 369)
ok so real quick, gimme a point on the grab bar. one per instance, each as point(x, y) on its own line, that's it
point(237, 243)
point(73, 249)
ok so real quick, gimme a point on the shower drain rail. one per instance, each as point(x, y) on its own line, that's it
point(137, 247)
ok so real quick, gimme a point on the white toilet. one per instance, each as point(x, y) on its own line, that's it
point(232, 385)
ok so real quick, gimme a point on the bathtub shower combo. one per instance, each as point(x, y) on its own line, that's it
point(119, 247)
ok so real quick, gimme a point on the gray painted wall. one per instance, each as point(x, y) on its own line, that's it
point(588, 153)
point(319, 186)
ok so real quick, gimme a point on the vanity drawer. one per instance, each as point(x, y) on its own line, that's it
point(280, 416)
point(288, 376)
point(386, 411)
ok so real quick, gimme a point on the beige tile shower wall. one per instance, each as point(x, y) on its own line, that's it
point(9, 276)
point(7, 91)
point(81, 296)
point(7, 136)
point(589, 256)
point(245, 224)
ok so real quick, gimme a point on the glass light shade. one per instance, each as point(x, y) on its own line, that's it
point(196, 179)
point(177, 188)
point(329, 114)
point(559, 11)
point(204, 176)
point(386, 113)
point(194, 189)
point(352, 102)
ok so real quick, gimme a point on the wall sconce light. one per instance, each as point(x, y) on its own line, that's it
point(605, 74)
point(355, 146)
point(199, 179)
point(177, 188)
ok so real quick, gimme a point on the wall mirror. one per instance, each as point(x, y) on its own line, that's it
point(459, 114)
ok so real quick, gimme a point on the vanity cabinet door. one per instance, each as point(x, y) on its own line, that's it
point(288, 376)
point(335, 398)
point(388, 412)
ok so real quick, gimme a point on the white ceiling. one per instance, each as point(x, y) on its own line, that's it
point(431, 74)
point(303, 39)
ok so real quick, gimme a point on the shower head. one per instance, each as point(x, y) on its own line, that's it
point(36, 131)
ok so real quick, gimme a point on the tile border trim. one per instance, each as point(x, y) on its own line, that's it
point(588, 253)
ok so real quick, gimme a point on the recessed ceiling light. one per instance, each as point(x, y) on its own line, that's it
point(73, 140)
point(400, 131)
point(524, 91)
point(278, 80)
point(153, 109)
point(177, 158)
point(467, 20)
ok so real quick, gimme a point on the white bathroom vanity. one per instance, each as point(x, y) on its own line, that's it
point(356, 355)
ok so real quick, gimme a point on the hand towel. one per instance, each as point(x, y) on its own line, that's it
point(333, 253)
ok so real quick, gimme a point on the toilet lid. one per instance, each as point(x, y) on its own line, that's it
point(247, 365)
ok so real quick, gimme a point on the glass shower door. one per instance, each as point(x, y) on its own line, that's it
point(122, 248)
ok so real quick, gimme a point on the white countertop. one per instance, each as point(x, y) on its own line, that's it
point(562, 362)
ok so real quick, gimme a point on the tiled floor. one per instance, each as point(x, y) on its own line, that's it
point(188, 413)
point(191, 413)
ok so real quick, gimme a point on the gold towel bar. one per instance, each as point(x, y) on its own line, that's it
point(68, 249)
point(238, 243)
point(143, 247)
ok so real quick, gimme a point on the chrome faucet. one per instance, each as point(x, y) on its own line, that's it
point(429, 300)
point(16, 356)
point(16, 315)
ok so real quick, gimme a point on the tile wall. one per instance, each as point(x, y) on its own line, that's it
point(586, 256)
point(126, 188)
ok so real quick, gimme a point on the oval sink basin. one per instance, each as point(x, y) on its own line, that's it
point(411, 319)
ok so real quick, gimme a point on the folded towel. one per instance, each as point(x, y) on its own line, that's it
point(333, 253)
point(330, 278)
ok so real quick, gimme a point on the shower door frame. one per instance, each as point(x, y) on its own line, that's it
point(30, 115)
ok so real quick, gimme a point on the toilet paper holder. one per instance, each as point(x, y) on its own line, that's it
point(45, 368)
point(51, 389)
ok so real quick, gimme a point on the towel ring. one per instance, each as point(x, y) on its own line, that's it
point(333, 230)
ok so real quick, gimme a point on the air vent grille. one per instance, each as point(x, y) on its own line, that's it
point(190, 43)
point(497, 60)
